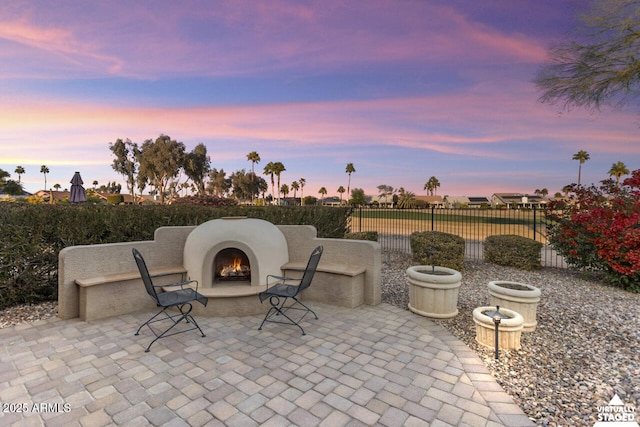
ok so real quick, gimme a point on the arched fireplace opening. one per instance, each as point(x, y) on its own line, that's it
point(261, 242)
point(231, 265)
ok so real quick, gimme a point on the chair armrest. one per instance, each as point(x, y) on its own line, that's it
point(181, 284)
point(280, 279)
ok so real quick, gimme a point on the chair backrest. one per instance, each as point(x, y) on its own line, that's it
point(312, 265)
point(144, 273)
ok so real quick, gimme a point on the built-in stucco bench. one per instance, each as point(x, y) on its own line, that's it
point(120, 293)
point(336, 284)
point(98, 281)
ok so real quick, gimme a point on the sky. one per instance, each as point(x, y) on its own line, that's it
point(403, 89)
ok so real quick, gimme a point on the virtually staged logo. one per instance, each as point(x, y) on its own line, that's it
point(616, 414)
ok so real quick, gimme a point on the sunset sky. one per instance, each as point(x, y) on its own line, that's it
point(403, 89)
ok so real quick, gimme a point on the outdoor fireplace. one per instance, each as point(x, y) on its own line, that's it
point(231, 265)
point(247, 249)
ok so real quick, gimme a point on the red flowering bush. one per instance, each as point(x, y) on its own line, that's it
point(598, 228)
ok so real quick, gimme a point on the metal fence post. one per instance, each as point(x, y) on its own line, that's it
point(534, 222)
point(432, 215)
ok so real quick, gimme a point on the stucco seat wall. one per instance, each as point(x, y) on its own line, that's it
point(90, 261)
point(353, 254)
point(97, 281)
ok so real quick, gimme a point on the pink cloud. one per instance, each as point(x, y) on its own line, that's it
point(55, 44)
point(239, 38)
point(475, 130)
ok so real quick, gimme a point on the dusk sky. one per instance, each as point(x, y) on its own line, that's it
point(403, 89)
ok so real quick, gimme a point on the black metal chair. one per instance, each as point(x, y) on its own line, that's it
point(286, 288)
point(180, 298)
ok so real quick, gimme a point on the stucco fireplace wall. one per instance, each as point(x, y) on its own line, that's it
point(119, 290)
point(262, 242)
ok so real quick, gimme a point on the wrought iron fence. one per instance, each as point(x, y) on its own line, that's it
point(395, 225)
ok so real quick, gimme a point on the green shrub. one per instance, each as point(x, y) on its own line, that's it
point(206, 200)
point(438, 248)
point(513, 251)
point(115, 199)
point(363, 235)
point(32, 235)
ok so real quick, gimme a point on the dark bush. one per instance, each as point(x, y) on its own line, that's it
point(438, 248)
point(363, 235)
point(115, 199)
point(513, 251)
point(206, 200)
point(31, 236)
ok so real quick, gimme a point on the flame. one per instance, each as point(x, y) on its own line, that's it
point(234, 269)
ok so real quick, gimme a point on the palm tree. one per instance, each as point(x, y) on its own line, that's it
point(19, 170)
point(323, 192)
point(295, 187)
point(407, 199)
point(254, 158)
point(278, 168)
point(582, 156)
point(617, 170)
point(432, 185)
point(341, 190)
point(44, 170)
point(302, 182)
point(284, 190)
point(349, 170)
point(268, 170)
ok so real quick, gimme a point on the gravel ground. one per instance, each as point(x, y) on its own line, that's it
point(585, 349)
point(27, 313)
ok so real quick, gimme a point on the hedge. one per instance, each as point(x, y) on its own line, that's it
point(32, 235)
point(513, 251)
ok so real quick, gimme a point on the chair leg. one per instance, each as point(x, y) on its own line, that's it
point(268, 315)
point(176, 318)
point(308, 309)
point(277, 308)
point(189, 319)
point(151, 320)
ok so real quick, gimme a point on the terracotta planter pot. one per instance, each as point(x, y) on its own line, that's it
point(518, 297)
point(433, 291)
point(509, 330)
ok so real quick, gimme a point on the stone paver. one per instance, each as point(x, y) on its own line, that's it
point(366, 366)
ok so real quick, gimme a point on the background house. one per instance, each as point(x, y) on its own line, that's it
point(518, 200)
point(431, 201)
point(471, 202)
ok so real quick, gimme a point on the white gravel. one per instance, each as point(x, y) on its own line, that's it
point(585, 349)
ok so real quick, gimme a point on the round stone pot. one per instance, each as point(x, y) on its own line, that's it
point(509, 329)
point(433, 291)
point(518, 297)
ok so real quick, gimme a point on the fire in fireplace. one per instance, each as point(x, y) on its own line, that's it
point(231, 265)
